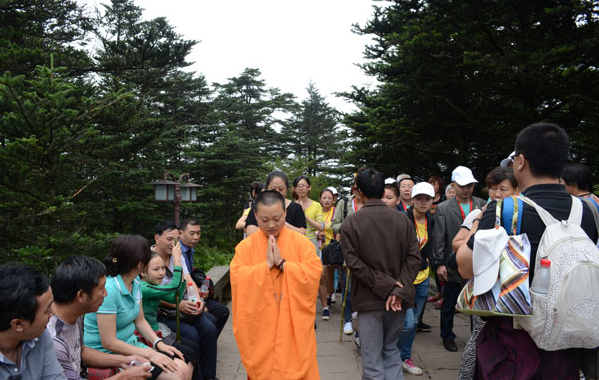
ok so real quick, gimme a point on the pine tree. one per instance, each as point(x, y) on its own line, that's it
point(459, 79)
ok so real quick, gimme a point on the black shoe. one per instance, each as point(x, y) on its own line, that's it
point(357, 340)
point(329, 301)
point(423, 327)
point(449, 345)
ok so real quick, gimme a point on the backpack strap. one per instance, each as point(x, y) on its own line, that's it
point(512, 215)
point(576, 212)
point(545, 216)
point(594, 209)
point(345, 202)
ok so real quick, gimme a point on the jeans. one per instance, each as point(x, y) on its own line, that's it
point(406, 339)
point(203, 333)
point(348, 309)
point(380, 356)
point(451, 292)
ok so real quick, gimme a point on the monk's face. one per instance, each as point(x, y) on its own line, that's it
point(271, 219)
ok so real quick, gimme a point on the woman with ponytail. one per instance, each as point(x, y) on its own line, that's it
point(112, 328)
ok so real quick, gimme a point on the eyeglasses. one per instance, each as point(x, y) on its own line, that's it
point(301, 186)
point(512, 158)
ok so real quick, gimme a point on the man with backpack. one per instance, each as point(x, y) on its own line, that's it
point(345, 207)
point(508, 352)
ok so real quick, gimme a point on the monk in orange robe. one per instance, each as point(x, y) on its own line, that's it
point(275, 275)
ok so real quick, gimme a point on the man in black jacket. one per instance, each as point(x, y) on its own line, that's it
point(423, 223)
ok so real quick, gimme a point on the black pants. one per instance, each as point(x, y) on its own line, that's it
point(451, 291)
point(188, 353)
point(202, 333)
point(218, 314)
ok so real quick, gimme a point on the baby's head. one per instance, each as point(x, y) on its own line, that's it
point(155, 270)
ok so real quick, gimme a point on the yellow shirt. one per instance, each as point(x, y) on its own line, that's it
point(315, 213)
point(422, 234)
point(328, 231)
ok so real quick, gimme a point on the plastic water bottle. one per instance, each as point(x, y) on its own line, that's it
point(192, 296)
point(540, 284)
point(205, 288)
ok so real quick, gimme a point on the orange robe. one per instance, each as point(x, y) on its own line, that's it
point(273, 312)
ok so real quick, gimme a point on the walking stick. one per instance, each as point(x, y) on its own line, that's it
point(177, 317)
point(343, 305)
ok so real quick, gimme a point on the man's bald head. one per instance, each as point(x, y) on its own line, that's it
point(270, 212)
point(269, 198)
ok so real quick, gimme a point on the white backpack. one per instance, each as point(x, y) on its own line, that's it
point(568, 316)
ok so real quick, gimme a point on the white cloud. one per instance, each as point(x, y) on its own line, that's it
point(291, 42)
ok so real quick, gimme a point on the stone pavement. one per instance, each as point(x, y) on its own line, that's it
point(341, 360)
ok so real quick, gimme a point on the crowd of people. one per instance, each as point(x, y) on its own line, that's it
point(139, 310)
point(430, 235)
point(137, 315)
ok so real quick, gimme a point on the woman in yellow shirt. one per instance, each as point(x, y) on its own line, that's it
point(324, 237)
point(315, 224)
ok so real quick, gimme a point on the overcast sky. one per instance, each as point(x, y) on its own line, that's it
point(291, 42)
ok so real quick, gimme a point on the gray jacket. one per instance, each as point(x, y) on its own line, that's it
point(448, 221)
point(338, 216)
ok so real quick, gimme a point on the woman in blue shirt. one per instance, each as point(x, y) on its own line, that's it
point(112, 328)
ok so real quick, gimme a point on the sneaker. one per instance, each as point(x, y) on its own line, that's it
point(354, 315)
point(423, 327)
point(409, 367)
point(347, 328)
point(438, 304)
point(434, 298)
point(333, 298)
point(326, 314)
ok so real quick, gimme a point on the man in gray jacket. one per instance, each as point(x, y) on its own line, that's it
point(381, 250)
point(449, 218)
point(345, 207)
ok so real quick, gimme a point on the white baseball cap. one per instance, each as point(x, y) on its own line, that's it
point(389, 181)
point(462, 176)
point(423, 188)
point(333, 190)
point(403, 176)
point(486, 257)
point(506, 161)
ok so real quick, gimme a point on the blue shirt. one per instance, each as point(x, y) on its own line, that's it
point(38, 361)
point(122, 303)
point(187, 253)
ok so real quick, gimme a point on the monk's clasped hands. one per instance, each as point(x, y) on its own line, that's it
point(273, 254)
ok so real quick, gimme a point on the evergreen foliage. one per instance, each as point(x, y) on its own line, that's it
point(96, 104)
point(86, 126)
point(459, 79)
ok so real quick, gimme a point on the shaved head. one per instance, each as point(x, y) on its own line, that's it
point(269, 198)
